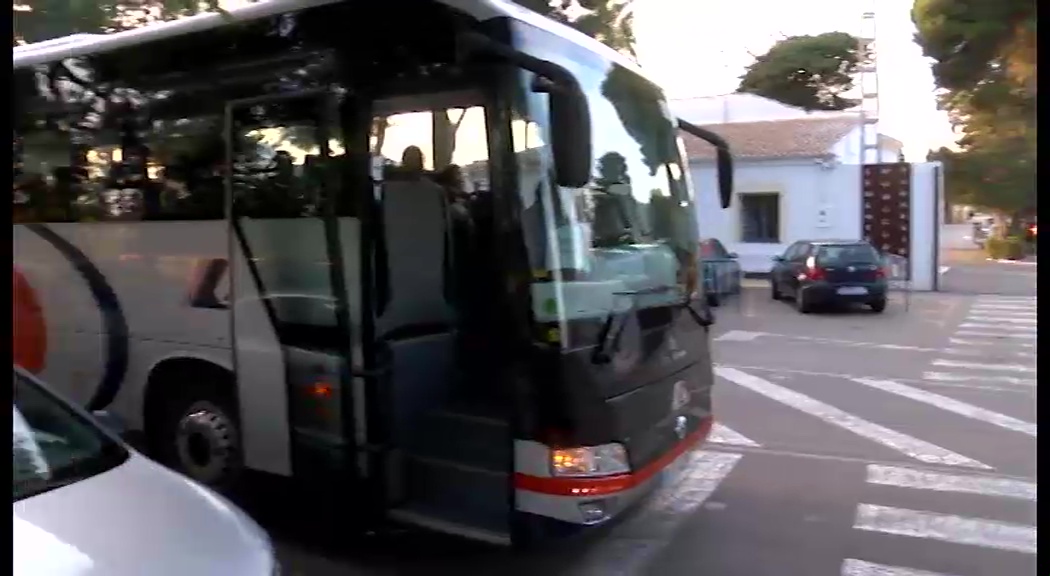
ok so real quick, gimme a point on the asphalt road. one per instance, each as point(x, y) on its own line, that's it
point(1002, 278)
point(849, 444)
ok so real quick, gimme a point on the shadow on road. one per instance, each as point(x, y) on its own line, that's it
point(317, 536)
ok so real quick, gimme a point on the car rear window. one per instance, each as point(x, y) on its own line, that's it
point(847, 254)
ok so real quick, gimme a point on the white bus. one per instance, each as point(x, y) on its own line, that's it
point(439, 253)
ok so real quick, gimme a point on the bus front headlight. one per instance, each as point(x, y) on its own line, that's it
point(587, 461)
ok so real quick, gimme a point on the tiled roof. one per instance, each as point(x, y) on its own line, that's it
point(804, 137)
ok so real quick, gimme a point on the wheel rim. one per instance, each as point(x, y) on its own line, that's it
point(206, 443)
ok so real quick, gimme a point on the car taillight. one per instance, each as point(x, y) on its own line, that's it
point(880, 273)
point(813, 272)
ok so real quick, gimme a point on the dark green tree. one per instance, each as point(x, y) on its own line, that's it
point(984, 64)
point(811, 72)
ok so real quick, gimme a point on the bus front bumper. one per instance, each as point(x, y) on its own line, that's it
point(554, 508)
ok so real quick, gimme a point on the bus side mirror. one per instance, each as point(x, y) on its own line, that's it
point(723, 159)
point(725, 176)
point(570, 127)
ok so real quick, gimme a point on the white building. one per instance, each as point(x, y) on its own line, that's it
point(797, 174)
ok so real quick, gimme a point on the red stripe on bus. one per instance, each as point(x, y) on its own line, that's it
point(611, 484)
point(29, 331)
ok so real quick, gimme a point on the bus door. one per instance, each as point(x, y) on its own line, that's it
point(295, 277)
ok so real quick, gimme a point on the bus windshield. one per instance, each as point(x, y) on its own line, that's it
point(628, 239)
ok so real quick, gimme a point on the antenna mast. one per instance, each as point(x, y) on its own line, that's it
point(868, 82)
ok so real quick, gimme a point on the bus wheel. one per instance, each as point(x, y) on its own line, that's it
point(200, 438)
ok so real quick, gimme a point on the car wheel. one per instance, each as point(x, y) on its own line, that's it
point(878, 306)
point(802, 303)
point(199, 436)
point(713, 300)
point(775, 291)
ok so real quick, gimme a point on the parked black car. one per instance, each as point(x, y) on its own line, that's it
point(822, 272)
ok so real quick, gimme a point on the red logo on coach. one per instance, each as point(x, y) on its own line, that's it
point(29, 329)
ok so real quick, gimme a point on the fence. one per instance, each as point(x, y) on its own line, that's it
point(898, 275)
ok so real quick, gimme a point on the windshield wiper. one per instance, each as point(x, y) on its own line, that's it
point(704, 322)
point(605, 338)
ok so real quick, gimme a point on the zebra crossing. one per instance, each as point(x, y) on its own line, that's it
point(980, 532)
point(995, 344)
point(871, 517)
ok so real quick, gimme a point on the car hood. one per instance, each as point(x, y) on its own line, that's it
point(138, 518)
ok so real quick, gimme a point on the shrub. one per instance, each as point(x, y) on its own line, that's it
point(1009, 248)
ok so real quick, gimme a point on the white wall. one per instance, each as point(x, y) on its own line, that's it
point(806, 189)
point(927, 215)
point(847, 150)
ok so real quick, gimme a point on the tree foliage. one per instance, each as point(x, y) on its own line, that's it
point(984, 64)
point(811, 72)
point(609, 21)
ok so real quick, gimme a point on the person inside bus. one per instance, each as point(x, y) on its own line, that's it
point(415, 220)
point(461, 235)
point(412, 160)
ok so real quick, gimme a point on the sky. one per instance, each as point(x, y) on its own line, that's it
point(701, 48)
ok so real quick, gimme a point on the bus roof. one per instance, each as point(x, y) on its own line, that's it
point(78, 45)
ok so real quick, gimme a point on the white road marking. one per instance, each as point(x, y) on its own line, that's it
point(985, 353)
point(721, 434)
point(739, 336)
point(925, 382)
point(747, 336)
point(860, 461)
point(853, 567)
point(946, 528)
point(1012, 311)
point(1024, 305)
point(986, 334)
point(623, 553)
point(972, 342)
point(1027, 330)
point(902, 477)
point(944, 269)
point(1026, 312)
point(1002, 318)
point(951, 405)
point(907, 445)
point(979, 366)
point(941, 377)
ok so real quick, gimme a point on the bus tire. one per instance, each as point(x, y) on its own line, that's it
point(198, 434)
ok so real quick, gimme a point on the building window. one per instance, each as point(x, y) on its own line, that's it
point(760, 218)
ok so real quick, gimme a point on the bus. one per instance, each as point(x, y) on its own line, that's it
point(441, 255)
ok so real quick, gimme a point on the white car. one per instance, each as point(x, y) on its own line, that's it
point(86, 504)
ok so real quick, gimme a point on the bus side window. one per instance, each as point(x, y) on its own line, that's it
point(84, 155)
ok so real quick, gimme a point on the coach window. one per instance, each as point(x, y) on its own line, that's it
point(99, 149)
point(43, 187)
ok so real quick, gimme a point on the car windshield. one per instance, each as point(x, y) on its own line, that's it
point(54, 446)
point(847, 254)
